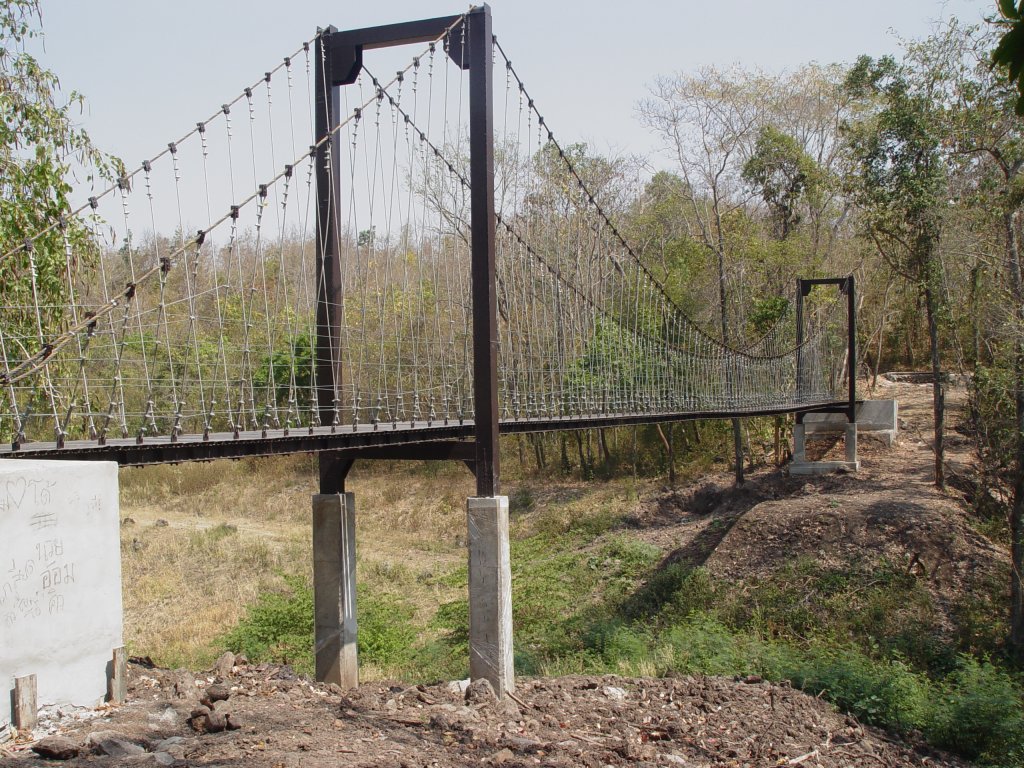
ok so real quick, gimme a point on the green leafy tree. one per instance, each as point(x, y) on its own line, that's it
point(39, 145)
point(989, 138)
point(900, 184)
point(782, 173)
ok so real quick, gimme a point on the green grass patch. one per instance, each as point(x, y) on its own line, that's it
point(278, 627)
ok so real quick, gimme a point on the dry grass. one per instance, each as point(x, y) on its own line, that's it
point(234, 529)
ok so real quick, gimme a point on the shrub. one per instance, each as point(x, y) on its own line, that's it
point(977, 713)
point(278, 627)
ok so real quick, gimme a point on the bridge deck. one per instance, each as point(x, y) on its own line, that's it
point(362, 440)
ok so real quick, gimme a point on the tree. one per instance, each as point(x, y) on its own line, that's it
point(710, 121)
point(896, 146)
point(782, 173)
point(39, 146)
point(991, 139)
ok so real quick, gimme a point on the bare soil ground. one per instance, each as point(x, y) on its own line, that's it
point(888, 511)
point(280, 720)
point(573, 721)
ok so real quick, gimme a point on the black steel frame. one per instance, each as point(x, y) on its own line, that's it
point(339, 59)
point(847, 287)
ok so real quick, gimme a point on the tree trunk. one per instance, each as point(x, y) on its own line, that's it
point(634, 453)
point(579, 450)
point(881, 336)
point(938, 395)
point(667, 443)
point(538, 451)
point(737, 434)
point(975, 322)
point(1016, 638)
point(602, 440)
point(737, 445)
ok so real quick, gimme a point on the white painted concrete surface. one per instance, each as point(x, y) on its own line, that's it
point(60, 578)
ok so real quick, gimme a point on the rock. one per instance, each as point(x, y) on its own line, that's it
point(458, 686)
point(215, 693)
point(285, 673)
point(148, 760)
point(522, 744)
point(502, 756)
point(448, 717)
point(164, 744)
point(613, 692)
point(173, 746)
point(480, 691)
point(113, 744)
point(124, 524)
point(208, 721)
point(506, 708)
point(199, 720)
point(225, 665)
point(183, 683)
point(166, 716)
point(234, 722)
point(161, 523)
point(55, 748)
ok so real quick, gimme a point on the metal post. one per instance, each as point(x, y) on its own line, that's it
point(485, 318)
point(328, 262)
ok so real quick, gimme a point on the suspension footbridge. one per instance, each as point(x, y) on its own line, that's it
point(369, 266)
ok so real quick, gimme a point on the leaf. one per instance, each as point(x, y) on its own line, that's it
point(1009, 10)
point(1010, 50)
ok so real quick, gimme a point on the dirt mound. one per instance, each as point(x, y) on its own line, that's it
point(887, 513)
point(574, 721)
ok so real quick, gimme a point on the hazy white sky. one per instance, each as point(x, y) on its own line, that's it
point(150, 69)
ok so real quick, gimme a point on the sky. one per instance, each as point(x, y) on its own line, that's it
point(149, 70)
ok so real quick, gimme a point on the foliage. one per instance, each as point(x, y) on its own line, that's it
point(767, 313)
point(40, 143)
point(279, 627)
point(783, 173)
point(1009, 53)
point(976, 712)
point(291, 372)
point(897, 151)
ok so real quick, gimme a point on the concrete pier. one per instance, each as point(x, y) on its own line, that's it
point(334, 588)
point(490, 593)
point(801, 466)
